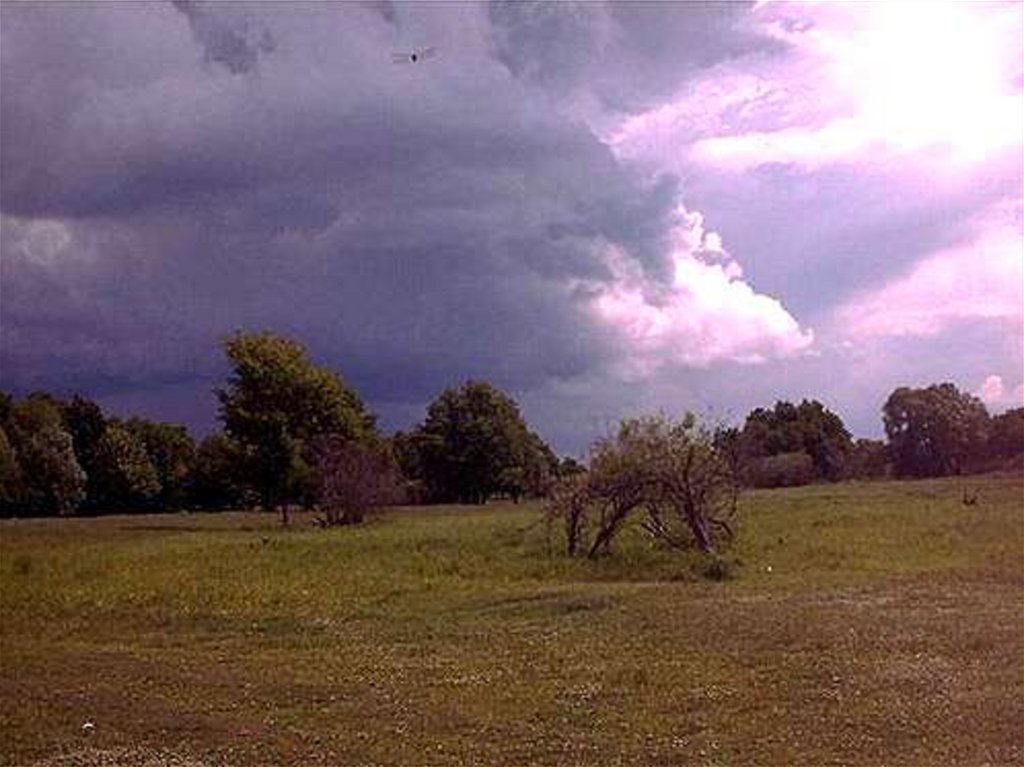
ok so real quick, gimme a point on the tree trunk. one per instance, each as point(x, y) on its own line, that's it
point(699, 526)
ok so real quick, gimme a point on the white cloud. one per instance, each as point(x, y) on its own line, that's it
point(706, 314)
point(994, 393)
point(868, 80)
point(983, 279)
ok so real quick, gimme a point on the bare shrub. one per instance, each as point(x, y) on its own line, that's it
point(670, 472)
point(352, 478)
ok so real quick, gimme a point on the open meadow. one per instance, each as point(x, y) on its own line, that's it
point(864, 624)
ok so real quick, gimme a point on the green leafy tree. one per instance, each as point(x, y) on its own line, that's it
point(218, 479)
point(1006, 439)
point(473, 444)
point(11, 487)
point(125, 475)
point(85, 421)
point(533, 471)
point(868, 460)
point(407, 460)
point(570, 467)
point(275, 403)
point(172, 452)
point(6, 403)
point(934, 431)
point(37, 411)
point(809, 428)
point(53, 481)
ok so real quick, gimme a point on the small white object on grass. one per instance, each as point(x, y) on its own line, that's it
point(88, 727)
point(768, 568)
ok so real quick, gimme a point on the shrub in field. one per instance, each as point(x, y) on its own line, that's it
point(869, 459)
point(351, 478)
point(718, 568)
point(670, 473)
point(783, 470)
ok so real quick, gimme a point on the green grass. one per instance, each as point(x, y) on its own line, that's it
point(889, 630)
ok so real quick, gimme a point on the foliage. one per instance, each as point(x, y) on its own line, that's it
point(51, 478)
point(36, 412)
point(474, 443)
point(569, 466)
point(934, 431)
point(869, 459)
point(352, 478)
point(11, 488)
point(125, 475)
point(781, 470)
point(412, 489)
point(86, 423)
point(1006, 438)
point(669, 472)
point(719, 568)
point(275, 403)
point(217, 480)
point(534, 470)
point(172, 452)
point(809, 427)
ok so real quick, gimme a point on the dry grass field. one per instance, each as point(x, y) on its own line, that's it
point(865, 624)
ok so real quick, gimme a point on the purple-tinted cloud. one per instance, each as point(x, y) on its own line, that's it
point(602, 208)
point(231, 42)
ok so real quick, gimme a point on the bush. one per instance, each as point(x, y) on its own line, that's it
point(719, 568)
point(669, 473)
point(783, 470)
point(352, 478)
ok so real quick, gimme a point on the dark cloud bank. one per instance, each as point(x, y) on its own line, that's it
point(172, 172)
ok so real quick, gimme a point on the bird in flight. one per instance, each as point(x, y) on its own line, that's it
point(415, 56)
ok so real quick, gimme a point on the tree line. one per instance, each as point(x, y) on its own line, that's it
point(296, 434)
point(293, 434)
point(932, 431)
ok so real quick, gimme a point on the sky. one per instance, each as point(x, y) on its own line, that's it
point(605, 210)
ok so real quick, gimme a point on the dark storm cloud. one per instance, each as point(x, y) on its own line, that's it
point(171, 173)
point(231, 42)
point(413, 225)
point(386, 9)
point(629, 55)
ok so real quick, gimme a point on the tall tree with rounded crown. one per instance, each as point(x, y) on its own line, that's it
point(275, 403)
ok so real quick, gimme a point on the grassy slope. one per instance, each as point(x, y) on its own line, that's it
point(888, 631)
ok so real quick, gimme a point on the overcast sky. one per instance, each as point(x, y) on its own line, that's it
point(603, 209)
